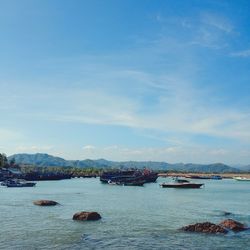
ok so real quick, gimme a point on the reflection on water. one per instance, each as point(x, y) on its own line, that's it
point(133, 217)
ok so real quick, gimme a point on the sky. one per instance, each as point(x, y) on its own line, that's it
point(123, 80)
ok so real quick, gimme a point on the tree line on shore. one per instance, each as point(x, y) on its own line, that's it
point(72, 171)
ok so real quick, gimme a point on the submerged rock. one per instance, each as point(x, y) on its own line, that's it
point(205, 227)
point(45, 203)
point(83, 216)
point(225, 213)
point(233, 225)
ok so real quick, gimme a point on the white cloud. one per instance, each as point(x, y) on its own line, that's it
point(167, 103)
point(34, 148)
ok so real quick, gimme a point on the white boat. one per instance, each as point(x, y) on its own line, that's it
point(238, 178)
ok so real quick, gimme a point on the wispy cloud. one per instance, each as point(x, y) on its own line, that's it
point(217, 21)
point(88, 147)
point(7, 135)
point(34, 148)
point(243, 53)
point(205, 29)
point(164, 103)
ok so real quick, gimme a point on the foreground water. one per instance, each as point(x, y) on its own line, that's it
point(133, 217)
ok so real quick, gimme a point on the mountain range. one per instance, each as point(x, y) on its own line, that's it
point(46, 160)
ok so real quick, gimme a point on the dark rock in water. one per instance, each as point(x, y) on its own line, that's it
point(226, 213)
point(205, 227)
point(83, 216)
point(233, 225)
point(45, 203)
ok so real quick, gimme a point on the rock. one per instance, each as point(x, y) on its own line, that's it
point(45, 203)
point(83, 216)
point(226, 213)
point(205, 227)
point(233, 225)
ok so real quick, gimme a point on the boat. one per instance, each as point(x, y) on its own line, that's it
point(128, 176)
point(17, 183)
point(176, 179)
point(203, 177)
point(239, 178)
point(133, 183)
point(149, 175)
point(216, 177)
point(128, 182)
point(181, 185)
point(117, 175)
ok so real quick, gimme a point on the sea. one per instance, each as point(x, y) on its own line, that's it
point(147, 217)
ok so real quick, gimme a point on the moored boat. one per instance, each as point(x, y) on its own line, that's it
point(203, 177)
point(128, 182)
point(128, 176)
point(239, 178)
point(181, 185)
point(216, 177)
point(17, 183)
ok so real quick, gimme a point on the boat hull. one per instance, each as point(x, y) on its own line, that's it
point(129, 176)
point(17, 183)
point(182, 185)
point(21, 185)
point(241, 179)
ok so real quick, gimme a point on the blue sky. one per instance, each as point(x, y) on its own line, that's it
point(126, 80)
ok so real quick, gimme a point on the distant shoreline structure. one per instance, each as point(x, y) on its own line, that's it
point(223, 175)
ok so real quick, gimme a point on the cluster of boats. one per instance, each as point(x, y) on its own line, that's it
point(135, 177)
point(129, 177)
point(132, 177)
point(17, 183)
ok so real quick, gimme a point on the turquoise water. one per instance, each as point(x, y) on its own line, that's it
point(133, 217)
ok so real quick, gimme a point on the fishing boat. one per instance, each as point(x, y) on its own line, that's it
point(17, 183)
point(238, 178)
point(127, 176)
point(128, 182)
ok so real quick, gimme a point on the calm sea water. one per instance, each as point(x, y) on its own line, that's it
point(133, 217)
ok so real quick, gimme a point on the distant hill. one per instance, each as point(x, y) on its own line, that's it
point(45, 160)
point(244, 168)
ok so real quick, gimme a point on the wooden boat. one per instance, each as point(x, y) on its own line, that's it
point(125, 176)
point(181, 185)
point(134, 183)
point(238, 178)
point(128, 183)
